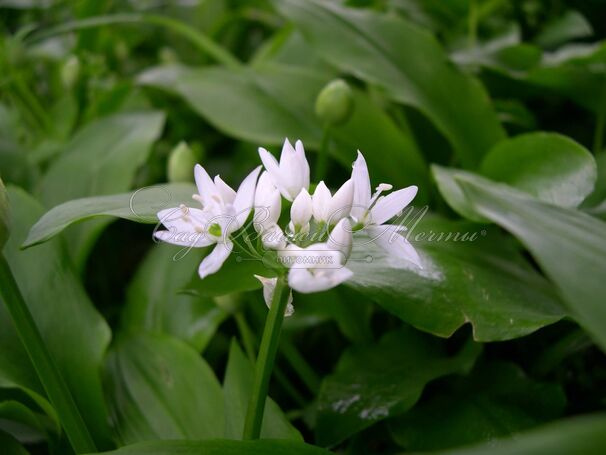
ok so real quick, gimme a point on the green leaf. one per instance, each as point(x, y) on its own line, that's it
point(154, 303)
point(4, 214)
point(25, 424)
point(269, 102)
point(452, 192)
point(549, 166)
point(496, 400)
point(221, 447)
point(470, 275)
point(408, 63)
point(47, 281)
point(566, 27)
point(10, 446)
point(102, 158)
point(140, 205)
point(568, 245)
point(160, 388)
point(237, 388)
point(372, 383)
point(586, 435)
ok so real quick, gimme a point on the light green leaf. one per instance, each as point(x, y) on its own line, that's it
point(154, 302)
point(160, 388)
point(470, 275)
point(372, 383)
point(64, 315)
point(549, 166)
point(221, 447)
point(568, 245)
point(408, 63)
point(140, 205)
point(497, 399)
point(237, 388)
point(586, 435)
point(102, 158)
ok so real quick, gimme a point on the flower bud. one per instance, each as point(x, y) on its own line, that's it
point(70, 71)
point(341, 238)
point(334, 104)
point(181, 162)
point(301, 210)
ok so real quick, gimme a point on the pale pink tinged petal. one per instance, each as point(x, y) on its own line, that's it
point(321, 202)
point(303, 164)
point(226, 191)
point(206, 186)
point(304, 281)
point(244, 199)
point(389, 206)
point(269, 286)
point(213, 262)
point(389, 238)
point(361, 183)
point(340, 205)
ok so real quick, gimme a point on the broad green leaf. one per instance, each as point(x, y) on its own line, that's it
point(4, 214)
point(408, 63)
point(549, 166)
point(160, 388)
point(372, 383)
point(25, 424)
point(221, 447)
point(583, 435)
point(470, 274)
point(140, 205)
point(101, 158)
point(269, 102)
point(10, 446)
point(452, 192)
point(154, 302)
point(64, 315)
point(566, 27)
point(568, 245)
point(237, 388)
point(497, 399)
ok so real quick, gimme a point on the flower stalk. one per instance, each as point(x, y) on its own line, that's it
point(266, 359)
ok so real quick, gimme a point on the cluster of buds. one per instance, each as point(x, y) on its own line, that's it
point(308, 236)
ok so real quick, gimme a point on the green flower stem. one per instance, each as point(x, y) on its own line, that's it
point(50, 376)
point(265, 359)
point(322, 164)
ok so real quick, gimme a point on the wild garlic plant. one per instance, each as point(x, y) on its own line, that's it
point(302, 233)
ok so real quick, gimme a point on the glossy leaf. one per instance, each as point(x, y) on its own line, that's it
point(470, 275)
point(102, 158)
point(154, 302)
point(568, 245)
point(160, 388)
point(237, 388)
point(408, 63)
point(221, 447)
point(140, 205)
point(496, 400)
point(549, 166)
point(47, 281)
point(372, 383)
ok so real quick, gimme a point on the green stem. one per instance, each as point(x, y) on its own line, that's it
point(201, 41)
point(322, 164)
point(50, 376)
point(266, 359)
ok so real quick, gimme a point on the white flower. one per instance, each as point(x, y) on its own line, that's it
point(372, 212)
point(330, 209)
point(341, 238)
point(300, 212)
point(223, 212)
point(291, 175)
point(269, 286)
point(268, 206)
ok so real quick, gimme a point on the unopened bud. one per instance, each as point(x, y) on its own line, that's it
point(335, 103)
point(70, 71)
point(181, 162)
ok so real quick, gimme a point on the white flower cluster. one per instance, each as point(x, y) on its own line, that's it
point(316, 241)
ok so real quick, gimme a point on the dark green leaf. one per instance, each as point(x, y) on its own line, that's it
point(4, 214)
point(160, 388)
point(408, 63)
point(10, 446)
point(496, 400)
point(372, 383)
point(25, 424)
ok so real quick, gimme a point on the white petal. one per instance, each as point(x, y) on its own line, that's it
point(389, 238)
point(268, 203)
point(321, 202)
point(340, 205)
point(187, 239)
point(269, 286)
point(273, 237)
point(206, 186)
point(303, 164)
point(291, 173)
point(341, 238)
point(273, 168)
point(226, 191)
point(301, 209)
point(389, 206)
point(244, 199)
point(213, 262)
point(304, 281)
point(361, 182)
